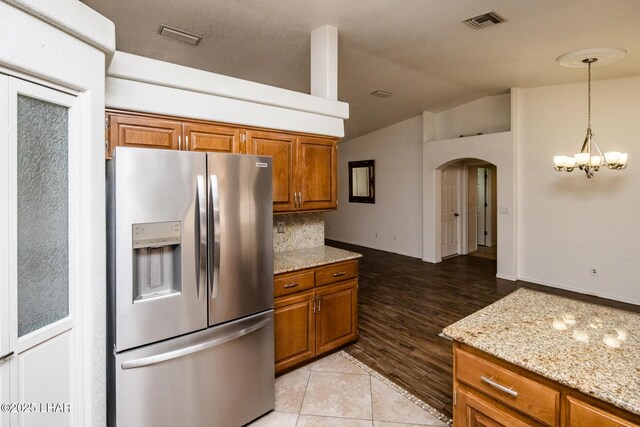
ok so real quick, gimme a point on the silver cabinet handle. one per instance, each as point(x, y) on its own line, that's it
point(339, 273)
point(6, 356)
point(187, 142)
point(163, 357)
point(318, 298)
point(290, 285)
point(508, 390)
point(201, 233)
point(313, 301)
point(179, 142)
point(214, 231)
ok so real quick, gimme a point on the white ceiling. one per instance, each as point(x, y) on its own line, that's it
point(417, 49)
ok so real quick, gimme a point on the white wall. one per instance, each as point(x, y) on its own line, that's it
point(397, 213)
point(568, 222)
point(64, 42)
point(491, 114)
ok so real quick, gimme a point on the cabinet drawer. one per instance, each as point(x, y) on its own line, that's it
point(336, 272)
point(285, 284)
point(583, 414)
point(526, 395)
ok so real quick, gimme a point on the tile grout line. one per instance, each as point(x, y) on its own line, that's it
point(371, 394)
point(428, 408)
point(303, 396)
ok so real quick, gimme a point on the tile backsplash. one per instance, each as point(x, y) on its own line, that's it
point(302, 230)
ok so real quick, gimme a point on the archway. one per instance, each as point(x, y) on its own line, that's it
point(496, 149)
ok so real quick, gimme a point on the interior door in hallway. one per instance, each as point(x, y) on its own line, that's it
point(449, 211)
point(482, 206)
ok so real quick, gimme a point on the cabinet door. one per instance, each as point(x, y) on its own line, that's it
point(336, 315)
point(474, 410)
point(294, 329)
point(281, 147)
point(316, 173)
point(205, 137)
point(145, 132)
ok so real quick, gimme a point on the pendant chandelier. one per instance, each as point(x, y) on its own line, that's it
point(590, 158)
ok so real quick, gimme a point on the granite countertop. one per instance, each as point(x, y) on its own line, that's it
point(299, 259)
point(588, 347)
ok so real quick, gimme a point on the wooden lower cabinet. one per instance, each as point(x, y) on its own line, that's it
point(580, 413)
point(491, 392)
point(336, 316)
point(294, 329)
point(474, 410)
point(312, 322)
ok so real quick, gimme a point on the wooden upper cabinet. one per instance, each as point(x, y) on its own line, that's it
point(304, 167)
point(282, 148)
point(145, 132)
point(317, 163)
point(206, 137)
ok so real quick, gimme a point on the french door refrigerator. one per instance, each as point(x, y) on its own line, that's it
point(190, 288)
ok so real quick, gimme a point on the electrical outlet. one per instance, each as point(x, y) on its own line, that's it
point(280, 226)
point(593, 271)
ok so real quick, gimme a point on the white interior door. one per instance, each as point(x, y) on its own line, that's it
point(481, 206)
point(472, 209)
point(449, 211)
point(39, 201)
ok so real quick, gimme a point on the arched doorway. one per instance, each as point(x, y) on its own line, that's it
point(495, 149)
point(468, 208)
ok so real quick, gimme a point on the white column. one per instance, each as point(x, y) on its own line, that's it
point(324, 62)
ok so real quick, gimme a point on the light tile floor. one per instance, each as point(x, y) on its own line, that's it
point(338, 391)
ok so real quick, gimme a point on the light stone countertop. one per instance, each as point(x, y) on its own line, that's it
point(588, 347)
point(299, 259)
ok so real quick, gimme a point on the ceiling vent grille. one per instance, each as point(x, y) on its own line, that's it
point(485, 20)
point(381, 93)
point(180, 35)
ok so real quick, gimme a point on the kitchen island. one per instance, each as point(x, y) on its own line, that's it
point(537, 358)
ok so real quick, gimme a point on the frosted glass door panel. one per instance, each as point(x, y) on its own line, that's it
point(42, 213)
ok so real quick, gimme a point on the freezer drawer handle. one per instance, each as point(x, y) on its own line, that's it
point(158, 358)
point(201, 246)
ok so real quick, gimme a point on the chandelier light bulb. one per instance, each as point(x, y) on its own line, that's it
point(582, 158)
point(612, 157)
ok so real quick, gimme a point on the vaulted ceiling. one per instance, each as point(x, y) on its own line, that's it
point(417, 49)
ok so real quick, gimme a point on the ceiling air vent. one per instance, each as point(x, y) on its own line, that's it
point(381, 93)
point(485, 20)
point(180, 35)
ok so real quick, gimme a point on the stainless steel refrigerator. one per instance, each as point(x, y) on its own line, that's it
point(190, 288)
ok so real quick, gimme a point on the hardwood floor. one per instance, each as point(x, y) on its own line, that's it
point(404, 303)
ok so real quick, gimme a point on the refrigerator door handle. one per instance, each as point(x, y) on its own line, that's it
point(163, 357)
point(214, 253)
point(201, 237)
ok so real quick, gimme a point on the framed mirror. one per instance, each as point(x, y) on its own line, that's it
point(362, 181)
